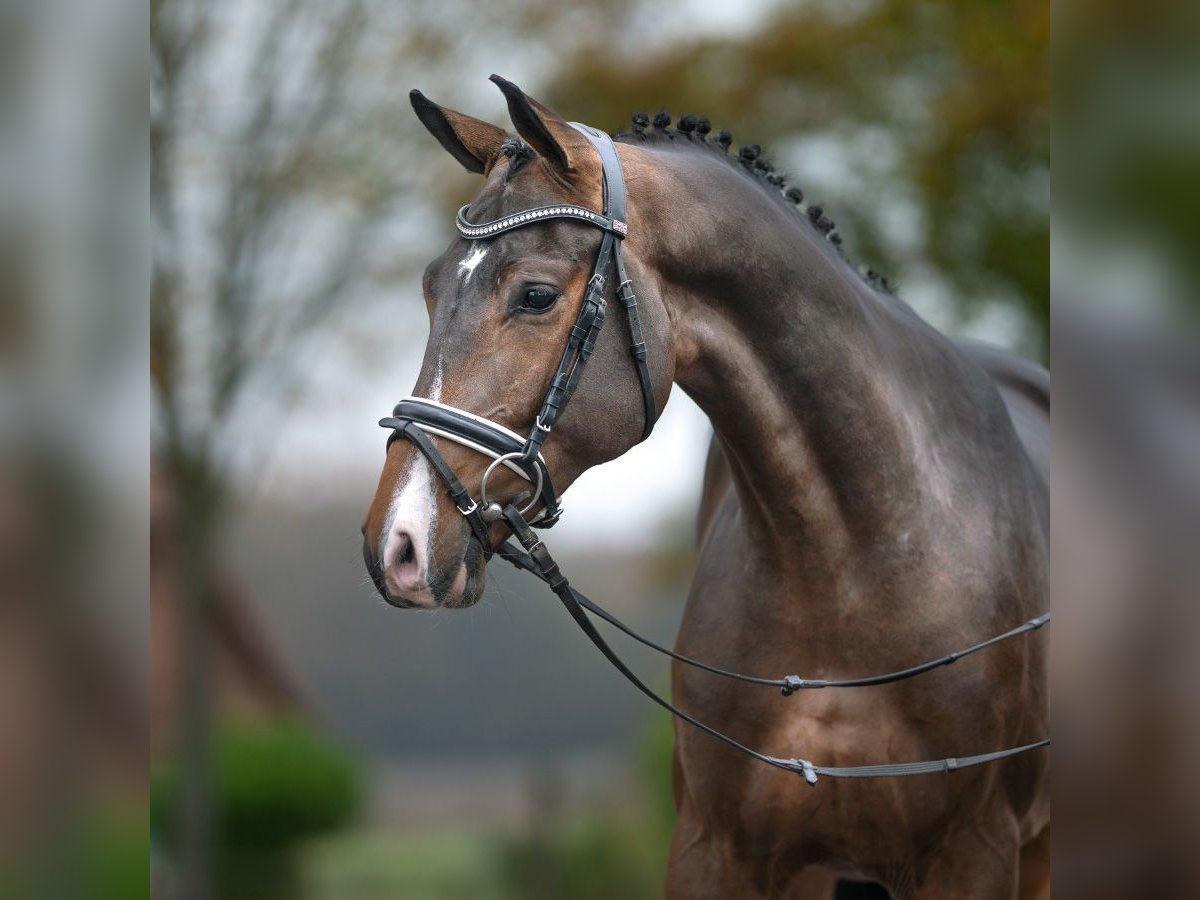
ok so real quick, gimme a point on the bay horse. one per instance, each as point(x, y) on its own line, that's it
point(874, 490)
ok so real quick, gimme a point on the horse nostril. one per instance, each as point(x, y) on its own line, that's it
point(406, 553)
point(404, 570)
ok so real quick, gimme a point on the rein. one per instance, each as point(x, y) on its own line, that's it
point(416, 418)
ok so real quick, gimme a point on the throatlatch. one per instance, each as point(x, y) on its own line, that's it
point(416, 419)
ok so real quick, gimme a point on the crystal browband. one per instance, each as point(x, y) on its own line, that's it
point(538, 214)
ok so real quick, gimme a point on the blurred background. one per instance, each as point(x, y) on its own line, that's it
point(489, 752)
point(307, 741)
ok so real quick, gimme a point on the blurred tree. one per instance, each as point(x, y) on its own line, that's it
point(289, 179)
point(282, 190)
point(289, 183)
point(250, 136)
point(940, 110)
point(1127, 77)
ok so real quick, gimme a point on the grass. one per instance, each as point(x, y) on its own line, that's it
point(389, 865)
point(594, 858)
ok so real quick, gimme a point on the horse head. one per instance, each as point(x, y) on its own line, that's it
point(503, 303)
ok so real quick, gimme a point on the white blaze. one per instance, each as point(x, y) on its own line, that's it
point(414, 508)
point(467, 267)
point(414, 505)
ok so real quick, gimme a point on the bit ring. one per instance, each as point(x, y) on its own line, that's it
point(487, 473)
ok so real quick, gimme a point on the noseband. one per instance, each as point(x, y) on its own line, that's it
point(416, 418)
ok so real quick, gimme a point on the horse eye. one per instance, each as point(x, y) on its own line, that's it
point(539, 299)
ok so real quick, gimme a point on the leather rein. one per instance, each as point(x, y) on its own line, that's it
point(416, 419)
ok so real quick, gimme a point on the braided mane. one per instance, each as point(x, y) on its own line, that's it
point(695, 130)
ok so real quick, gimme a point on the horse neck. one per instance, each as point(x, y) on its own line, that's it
point(842, 414)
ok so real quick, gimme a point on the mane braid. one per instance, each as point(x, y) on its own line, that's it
point(695, 130)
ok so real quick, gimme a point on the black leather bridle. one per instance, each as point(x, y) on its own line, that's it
point(504, 446)
point(416, 418)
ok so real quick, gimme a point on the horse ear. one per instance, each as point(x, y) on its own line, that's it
point(471, 141)
point(541, 128)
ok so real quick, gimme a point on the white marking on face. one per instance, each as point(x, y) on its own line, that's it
point(413, 511)
point(467, 267)
point(414, 505)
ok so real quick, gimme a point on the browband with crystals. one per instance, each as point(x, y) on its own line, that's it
point(538, 214)
point(610, 265)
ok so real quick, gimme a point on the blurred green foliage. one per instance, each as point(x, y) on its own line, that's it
point(102, 857)
point(944, 107)
point(429, 864)
point(586, 857)
point(117, 847)
point(577, 854)
point(656, 756)
point(1127, 77)
point(275, 784)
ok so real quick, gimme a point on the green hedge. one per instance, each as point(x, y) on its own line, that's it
point(274, 784)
